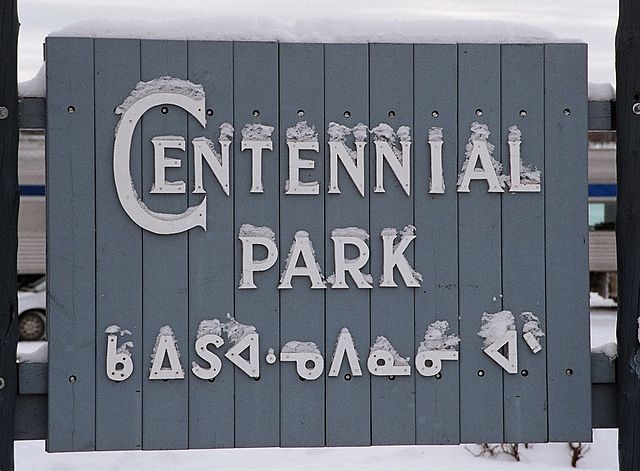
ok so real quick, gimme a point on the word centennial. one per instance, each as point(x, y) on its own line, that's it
point(346, 148)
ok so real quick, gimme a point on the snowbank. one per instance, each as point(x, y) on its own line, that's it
point(595, 300)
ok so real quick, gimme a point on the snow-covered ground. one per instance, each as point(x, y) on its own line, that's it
point(30, 455)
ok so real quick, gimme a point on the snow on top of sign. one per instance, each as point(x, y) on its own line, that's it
point(338, 132)
point(314, 22)
point(257, 132)
point(209, 326)
point(531, 324)
point(435, 134)
point(360, 132)
point(296, 346)
point(435, 338)
point(404, 133)
point(163, 84)
point(480, 132)
point(495, 326)
point(236, 331)
point(249, 230)
point(384, 132)
point(350, 232)
point(610, 349)
point(601, 91)
point(115, 329)
point(124, 348)
point(226, 132)
point(382, 343)
point(302, 132)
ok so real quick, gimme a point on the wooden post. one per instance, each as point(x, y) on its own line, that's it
point(9, 199)
point(628, 232)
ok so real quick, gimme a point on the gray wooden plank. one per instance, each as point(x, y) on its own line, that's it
point(118, 253)
point(71, 244)
point(479, 260)
point(603, 370)
point(566, 242)
point(602, 115)
point(210, 252)
point(436, 218)
point(604, 407)
point(32, 113)
point(523, 288)
point(165, 259)
point(32, 378)
point(392, 309)
point(302, 308)
point(347, 397)
point(257, 403)
point(31, 417)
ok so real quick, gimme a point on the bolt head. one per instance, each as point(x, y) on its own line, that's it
point(636, 108)
point(4, 112)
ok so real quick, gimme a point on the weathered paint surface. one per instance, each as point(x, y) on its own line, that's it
point(477, 251)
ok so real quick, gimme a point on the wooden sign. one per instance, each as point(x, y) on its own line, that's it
point(263, 244)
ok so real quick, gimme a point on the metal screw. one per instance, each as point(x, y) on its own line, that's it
point(2, 383)
point(72, 379)
point(636, 109)
point(4, 113)
point(438, 375)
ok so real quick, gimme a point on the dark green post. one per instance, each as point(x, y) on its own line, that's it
point(628, 232)
point(9, 200)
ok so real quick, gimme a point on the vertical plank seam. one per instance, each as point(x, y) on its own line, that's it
point(501, 196)
point(412, 180)
point(279, 112)
point(544, 223)
point(457, 119)
point(370, 238)
point(95, 256)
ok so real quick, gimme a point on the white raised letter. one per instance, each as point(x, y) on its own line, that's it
point(401, 166)
point(219, 164)
point(345, 346)
point(479, 149)
point(215, 364)
point(147, 95)
point(256, 162)
point(161, 162)
point(234, 354)
point(355, 169)
point(296, 187)
point(393, 256)
point(119, 361)
point(518, 169)
point(350, 236)
point(436, 184)
point(302, 246)
point(166, 347)
point(251, 236)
